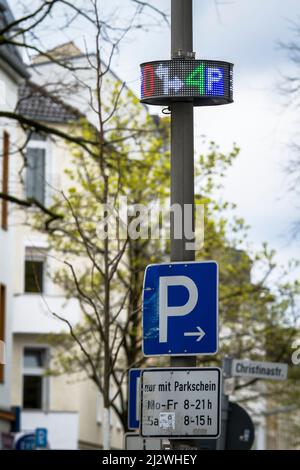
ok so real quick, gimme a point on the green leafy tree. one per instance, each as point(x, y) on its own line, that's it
point(253, 311)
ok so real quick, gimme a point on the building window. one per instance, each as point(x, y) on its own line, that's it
point(5, 173)
point(34, 380)
point(34, 276)
point(34, 269)
point(32, 392)
point(2, 324)
point(35, 174)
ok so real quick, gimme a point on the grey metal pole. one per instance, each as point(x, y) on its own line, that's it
point(226, 366)
point(182, 154)
point(182, 144)
point(181, 27)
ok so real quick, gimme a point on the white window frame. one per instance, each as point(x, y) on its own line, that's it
point(43, 145)
point(38, 371)
point(38, 254)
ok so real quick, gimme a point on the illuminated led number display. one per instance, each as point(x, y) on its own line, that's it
point(205, 82)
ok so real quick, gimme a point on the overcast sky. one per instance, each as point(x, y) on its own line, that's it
point(245, 32)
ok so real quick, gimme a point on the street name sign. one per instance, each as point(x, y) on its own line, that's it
point(260, 370)
point(180, 402)
point(136, 442)
point(134, 398)
point(180, 309)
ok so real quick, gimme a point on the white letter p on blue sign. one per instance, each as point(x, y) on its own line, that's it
point(166, 311)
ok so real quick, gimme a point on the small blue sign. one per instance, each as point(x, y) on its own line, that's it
point(214, 81)
point(41, 438)
point(133, 396)
point(180, 309)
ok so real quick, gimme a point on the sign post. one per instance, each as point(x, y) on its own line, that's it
point(182, 83)
point(182, 147)
point(226, 369)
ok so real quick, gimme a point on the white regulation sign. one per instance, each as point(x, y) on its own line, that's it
point(260, 370)
point(180, 402)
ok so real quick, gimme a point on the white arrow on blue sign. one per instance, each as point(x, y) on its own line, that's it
point(180, 309)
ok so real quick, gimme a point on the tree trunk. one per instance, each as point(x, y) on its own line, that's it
point(106, 429)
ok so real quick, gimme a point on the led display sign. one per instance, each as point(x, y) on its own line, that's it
point(204, 82)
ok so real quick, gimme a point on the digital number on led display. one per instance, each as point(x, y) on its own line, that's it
point(204, 82)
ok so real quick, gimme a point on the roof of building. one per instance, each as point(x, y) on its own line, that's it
point(62, 53)
point(38, 104)
point(8, 52)
point(67, 53)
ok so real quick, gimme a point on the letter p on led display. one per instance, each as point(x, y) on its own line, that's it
point(203, 82)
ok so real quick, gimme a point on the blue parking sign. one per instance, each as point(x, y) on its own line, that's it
point(180, 309)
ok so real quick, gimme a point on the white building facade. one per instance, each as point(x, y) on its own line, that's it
point(12, 73)
point(68, 406)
